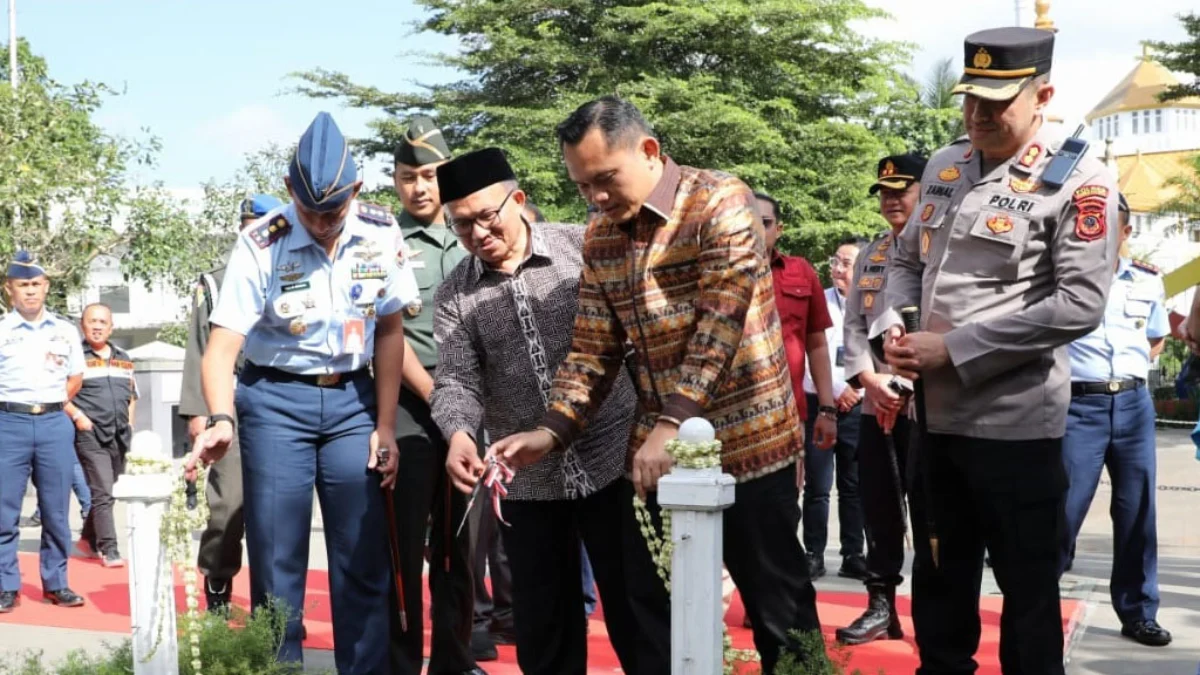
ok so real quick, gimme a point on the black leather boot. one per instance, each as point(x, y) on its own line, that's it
point(880, 620)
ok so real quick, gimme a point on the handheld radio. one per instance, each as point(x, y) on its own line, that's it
point(1063, 163)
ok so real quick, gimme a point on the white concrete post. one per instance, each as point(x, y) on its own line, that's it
point(146, 496)
point(695, 498)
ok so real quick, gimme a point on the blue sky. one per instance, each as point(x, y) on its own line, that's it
point(209, 78)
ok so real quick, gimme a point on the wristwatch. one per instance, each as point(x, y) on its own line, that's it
point(828, 410)
point(220, 417)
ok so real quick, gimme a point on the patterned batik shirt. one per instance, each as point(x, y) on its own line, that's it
point(500, 339)
point(688, 281)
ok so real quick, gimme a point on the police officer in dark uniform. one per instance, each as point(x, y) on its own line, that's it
point(883, 430)
point(220, 556)
point(316, 294)
point(1009, 255)
point(422, 486)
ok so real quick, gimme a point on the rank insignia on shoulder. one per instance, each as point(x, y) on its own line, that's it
point(1032, 153)
point(270, 232)
point(375, 214)
point(949, 174)
point(1145, 266)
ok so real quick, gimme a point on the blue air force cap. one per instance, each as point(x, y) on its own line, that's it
point(322, 171)
point(23, 267)
point(257, 206)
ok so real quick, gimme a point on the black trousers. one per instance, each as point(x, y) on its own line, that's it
point(102, 463)
point(543, 551)
point(424, 497)
point(819, 473)
point(882, 496)
point(1006, 496)
point(766, 561)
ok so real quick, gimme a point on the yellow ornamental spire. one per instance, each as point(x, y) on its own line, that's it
point(1043, 21)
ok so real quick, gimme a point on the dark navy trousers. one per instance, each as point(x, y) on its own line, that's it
point(43, 445)
point(1116, 431)
point(295, 436)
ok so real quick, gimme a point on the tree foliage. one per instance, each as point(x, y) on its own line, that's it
point(1183, 57)
point(777, 92)
point(65, 192)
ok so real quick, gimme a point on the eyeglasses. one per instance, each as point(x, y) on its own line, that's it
point(487, 220)
point(836, 262)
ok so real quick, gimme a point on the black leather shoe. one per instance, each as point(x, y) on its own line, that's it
point(475, 671)
point(483, 647)
point(1147, 632)
point(854, 567)
point(9, 600)
point(816, 566)
point(64, 597)
point(879, 621)
point(217, 594)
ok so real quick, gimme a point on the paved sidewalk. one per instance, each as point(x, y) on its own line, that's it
point(1097, 648)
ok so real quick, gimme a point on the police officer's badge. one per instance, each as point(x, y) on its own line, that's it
point(413, 310)
point(297, 327)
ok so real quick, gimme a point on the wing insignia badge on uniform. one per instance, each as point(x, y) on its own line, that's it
point(1091, 219)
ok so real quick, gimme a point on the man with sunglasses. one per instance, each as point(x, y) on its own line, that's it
point(883, 438)
point(504, 323)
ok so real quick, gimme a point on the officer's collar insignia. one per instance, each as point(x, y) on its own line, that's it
point(1000, 224)
point(949, 174)
point(270, 232)
point(1023, 185)
point(1031, 155)
point(982, 60)
point(374, 214)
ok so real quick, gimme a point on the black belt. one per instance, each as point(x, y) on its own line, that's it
point(1110, 387)
point(31, 408)
point(324, 380)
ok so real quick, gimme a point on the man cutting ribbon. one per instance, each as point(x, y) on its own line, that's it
point(503, 323)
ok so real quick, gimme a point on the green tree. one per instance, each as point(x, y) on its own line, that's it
point(922, 117)
point(772, 91)
point(64, 189)
point(1183, 57)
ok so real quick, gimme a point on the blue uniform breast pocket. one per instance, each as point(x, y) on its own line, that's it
point(1138, 309)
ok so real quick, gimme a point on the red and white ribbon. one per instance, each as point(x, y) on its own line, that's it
point(497, 475)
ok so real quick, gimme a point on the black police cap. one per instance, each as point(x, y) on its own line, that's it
point(1000, 61)
point(898, 171)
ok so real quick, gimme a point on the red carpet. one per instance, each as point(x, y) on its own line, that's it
point(107, 594)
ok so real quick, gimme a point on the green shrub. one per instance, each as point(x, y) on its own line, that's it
point(815, 657)
point(242, 645)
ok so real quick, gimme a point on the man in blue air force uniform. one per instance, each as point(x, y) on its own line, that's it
point(41, 368)
point(314, 290)
point(1111, 423)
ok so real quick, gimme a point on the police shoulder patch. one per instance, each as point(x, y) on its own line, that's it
point(1145, 266)
point(269, 232)
point(1091, 203)
point(375, 214)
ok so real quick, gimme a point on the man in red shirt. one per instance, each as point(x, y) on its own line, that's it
point(803, 316)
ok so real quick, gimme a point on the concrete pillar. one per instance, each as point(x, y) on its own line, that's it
point(145, 489)
point(695, 498)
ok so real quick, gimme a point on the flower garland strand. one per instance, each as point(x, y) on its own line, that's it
point(177, 526)
point(705, 455)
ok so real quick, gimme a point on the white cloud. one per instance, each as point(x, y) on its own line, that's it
point(1097, 42)
point(245, 129)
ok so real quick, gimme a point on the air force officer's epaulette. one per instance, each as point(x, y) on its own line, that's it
point(270, 231)
point(1145, 266)
point(375, 214)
